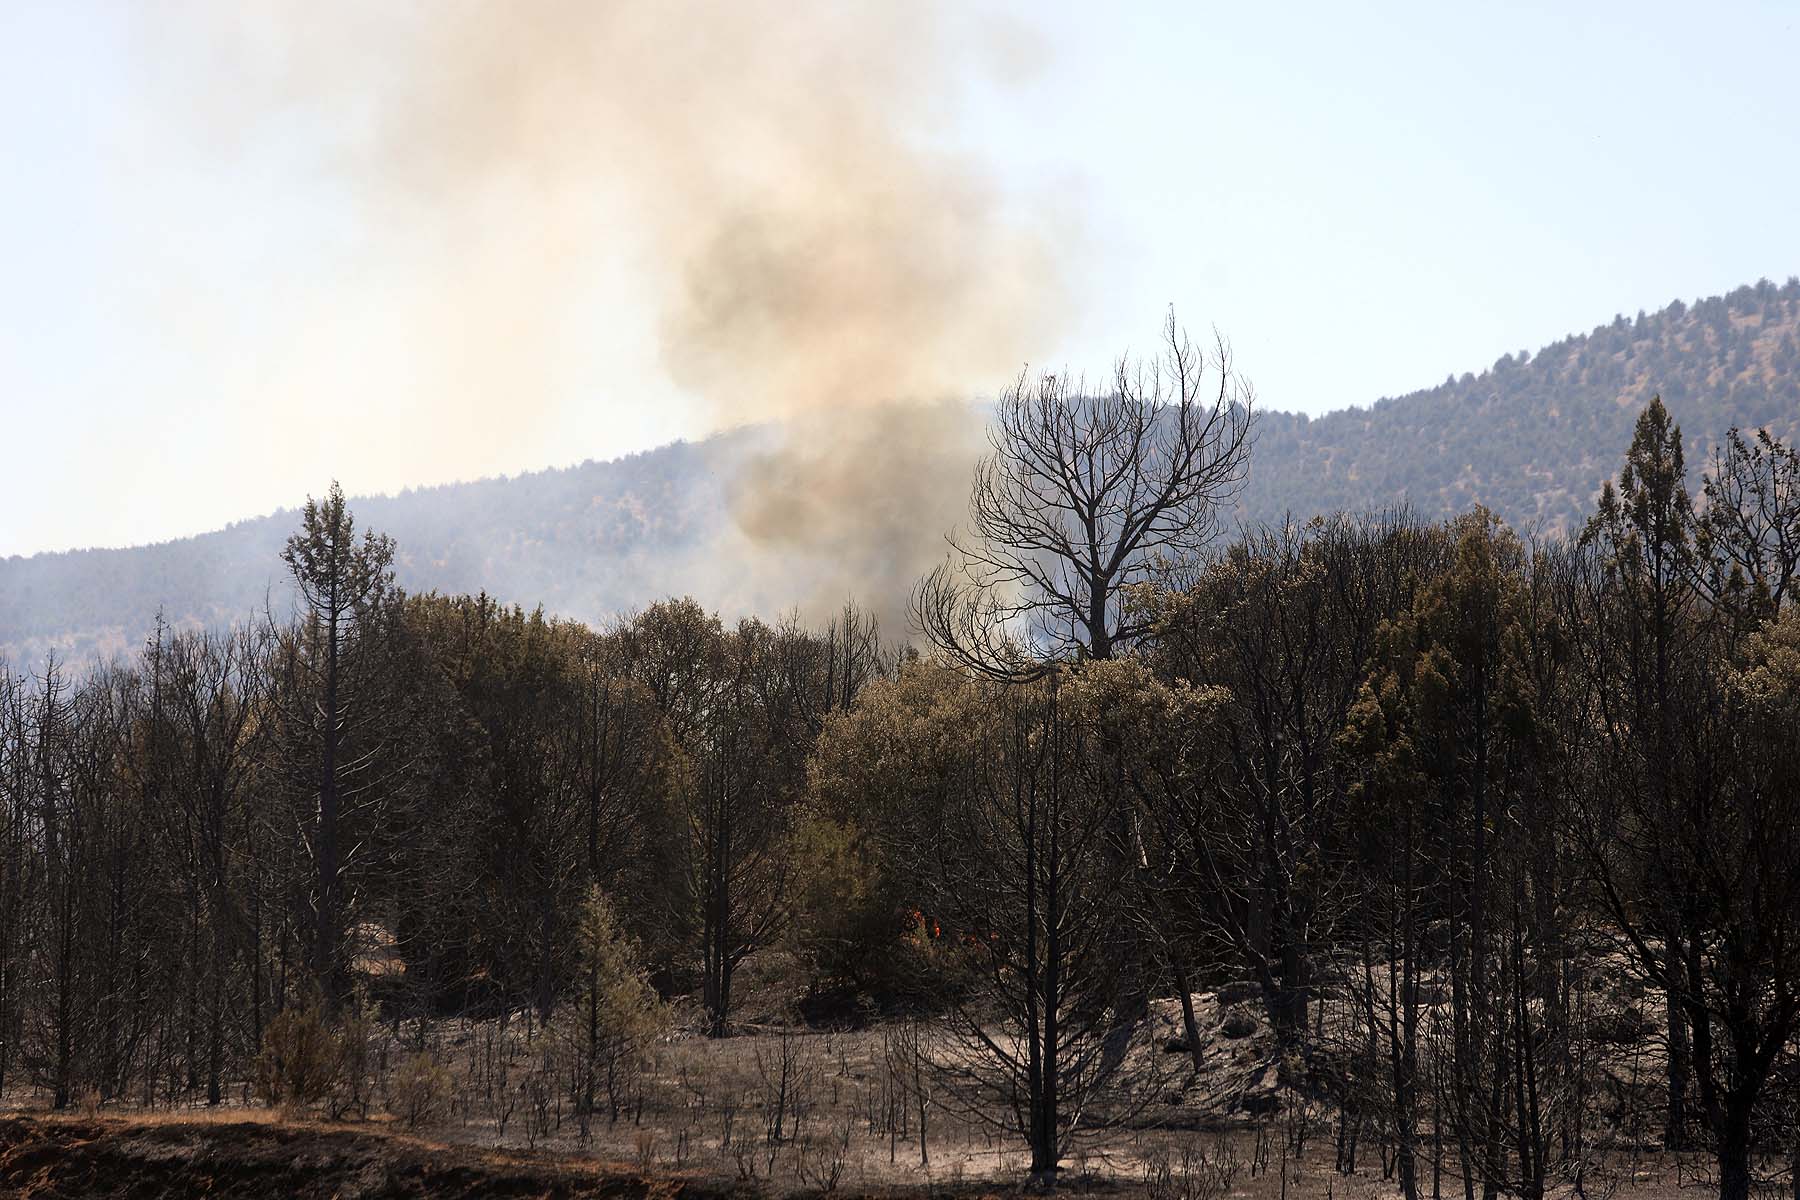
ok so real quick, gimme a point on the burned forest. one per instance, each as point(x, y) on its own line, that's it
point(1425, 856)
point(682, 600)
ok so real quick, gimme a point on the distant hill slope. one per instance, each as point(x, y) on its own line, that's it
point(1532, 437)
point(586, 540)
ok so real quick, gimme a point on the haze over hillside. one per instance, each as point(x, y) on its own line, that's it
point(1532, 437)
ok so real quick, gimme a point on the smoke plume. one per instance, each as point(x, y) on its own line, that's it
point(778, 182)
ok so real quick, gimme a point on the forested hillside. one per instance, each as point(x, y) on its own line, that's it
point(588, 539)
point(1531, 437)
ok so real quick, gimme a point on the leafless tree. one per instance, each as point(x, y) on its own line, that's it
point(1749, 533)
point(1081, 496)
point(20, 864)
point(1284, 622)
point(210, 686)
point(732, 705)
point(829, 669)
point(1018, 872)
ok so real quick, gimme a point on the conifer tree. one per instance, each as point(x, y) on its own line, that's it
point(342, 583)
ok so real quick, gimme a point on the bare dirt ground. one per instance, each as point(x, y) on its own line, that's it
point(703, 1122)
point(251, 1154)
point(777, 1110)
point(254, 1155)
point(248, 1154)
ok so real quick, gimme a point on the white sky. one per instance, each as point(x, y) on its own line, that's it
point(1363, 197)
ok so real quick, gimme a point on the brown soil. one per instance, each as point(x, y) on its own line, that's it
point(45, 1158)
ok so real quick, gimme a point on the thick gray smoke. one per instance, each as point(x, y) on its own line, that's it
point(779, 178)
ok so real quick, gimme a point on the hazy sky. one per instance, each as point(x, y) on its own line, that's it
point(206, 312)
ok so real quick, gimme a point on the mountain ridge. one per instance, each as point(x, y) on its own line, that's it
point(1531, 437)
